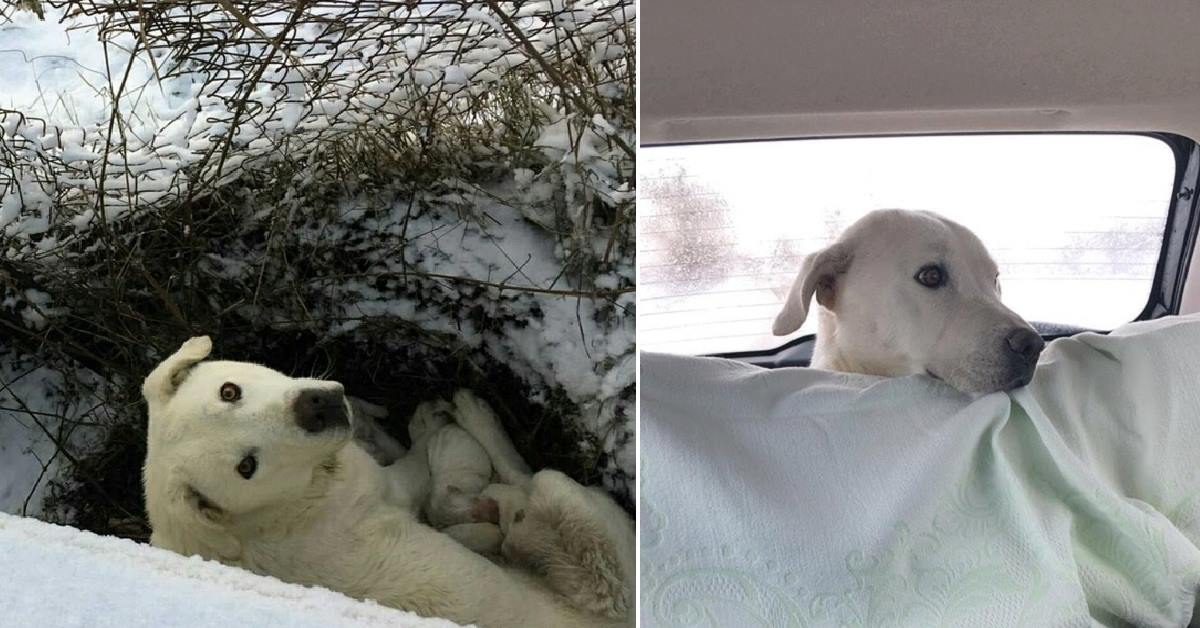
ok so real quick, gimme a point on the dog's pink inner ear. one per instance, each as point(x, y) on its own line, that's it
point(827, 290)
point(832, 265)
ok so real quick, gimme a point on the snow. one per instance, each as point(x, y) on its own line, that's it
point(58, 576)
point(38, 405)
point(53, 73)
point(560, 344)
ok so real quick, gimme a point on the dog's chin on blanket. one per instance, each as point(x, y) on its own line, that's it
point(1013, 377)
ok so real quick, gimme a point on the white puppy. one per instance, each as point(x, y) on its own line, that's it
point(257, 469)
point(576, 536)
point(906, 292)
point(459, 469)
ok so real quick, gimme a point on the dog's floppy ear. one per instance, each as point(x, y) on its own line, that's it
point(161, 383)
point(818, 274)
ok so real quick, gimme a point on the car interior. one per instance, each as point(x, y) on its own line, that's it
point(855, 69)
point(834, 496)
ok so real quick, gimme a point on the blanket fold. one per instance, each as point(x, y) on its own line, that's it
point(798, 497)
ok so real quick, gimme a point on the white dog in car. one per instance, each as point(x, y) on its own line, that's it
point(908, 292)
point(257, 469)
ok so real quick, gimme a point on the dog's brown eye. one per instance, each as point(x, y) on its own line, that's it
point(931, 276)
point(247, 466)
point(230, 392)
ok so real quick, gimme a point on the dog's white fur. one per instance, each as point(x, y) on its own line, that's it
point(573, 535)
point(875, 318)
point(319, 510)
point(460, 468)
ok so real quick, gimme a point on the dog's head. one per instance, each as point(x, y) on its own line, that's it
point(230, 438)
point(913, 292)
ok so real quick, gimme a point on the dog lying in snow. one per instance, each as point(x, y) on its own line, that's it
point(910, 292)
point(253, 468)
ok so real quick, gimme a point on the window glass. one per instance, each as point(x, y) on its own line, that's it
point(1074, 221)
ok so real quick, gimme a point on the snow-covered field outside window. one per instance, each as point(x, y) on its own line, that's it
point(1075, 223)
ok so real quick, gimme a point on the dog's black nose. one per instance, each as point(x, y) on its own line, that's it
point(1025, 343)
point(317, 410)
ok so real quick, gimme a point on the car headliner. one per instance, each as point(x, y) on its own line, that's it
point(714, 70)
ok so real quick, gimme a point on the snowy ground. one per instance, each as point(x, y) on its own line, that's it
point(39, 408)
point(119, 583)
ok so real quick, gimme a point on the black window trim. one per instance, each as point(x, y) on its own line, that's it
point(1170, 273)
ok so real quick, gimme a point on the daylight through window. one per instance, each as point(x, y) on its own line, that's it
point(1074, 221)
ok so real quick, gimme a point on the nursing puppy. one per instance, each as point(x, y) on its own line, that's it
point(253, 468)
point(577, 537)
point(907, 292)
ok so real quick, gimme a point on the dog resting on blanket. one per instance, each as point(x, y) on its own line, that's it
point(253, 468)
point(910, 292)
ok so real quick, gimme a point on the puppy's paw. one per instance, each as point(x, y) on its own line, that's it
point(457, 458)
point(473, 410)
point(428, 418)
point(364, 408)
point(364, 421)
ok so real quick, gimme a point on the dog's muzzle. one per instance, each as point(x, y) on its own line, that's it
point(318, 410)
point(1024, 346)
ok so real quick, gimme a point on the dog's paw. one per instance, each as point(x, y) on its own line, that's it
point(550, 485)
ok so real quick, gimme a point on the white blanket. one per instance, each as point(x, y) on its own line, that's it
point(57, 576)
point(799, 497)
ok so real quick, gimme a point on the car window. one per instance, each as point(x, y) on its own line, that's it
point(1075, 223)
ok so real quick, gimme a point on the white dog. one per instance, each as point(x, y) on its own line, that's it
point(907, 292)
point(577, 539)
point(257, 469)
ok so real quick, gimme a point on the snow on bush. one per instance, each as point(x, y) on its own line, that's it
point(406, 196)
